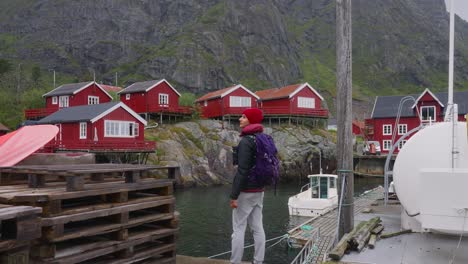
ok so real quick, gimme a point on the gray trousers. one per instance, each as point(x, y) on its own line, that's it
point(248, 211)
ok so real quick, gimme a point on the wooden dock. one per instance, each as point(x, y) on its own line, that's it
point(99, 213)
point(299, 235)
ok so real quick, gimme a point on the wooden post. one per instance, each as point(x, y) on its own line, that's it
point(344, 144)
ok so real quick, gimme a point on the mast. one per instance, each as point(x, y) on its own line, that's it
point(344, 116)
point(451, 113)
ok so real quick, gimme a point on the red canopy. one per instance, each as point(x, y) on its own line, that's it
point(19, 144)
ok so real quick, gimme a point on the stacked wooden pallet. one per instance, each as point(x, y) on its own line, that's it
point(19, 226)
point(101, 214)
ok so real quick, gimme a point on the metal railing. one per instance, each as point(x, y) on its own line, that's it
point(309, 251)
point(287, 111)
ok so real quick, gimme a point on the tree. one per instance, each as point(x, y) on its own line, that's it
point(36, 74)
point(5, 66)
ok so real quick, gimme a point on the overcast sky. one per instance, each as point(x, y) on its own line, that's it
point(461, 8)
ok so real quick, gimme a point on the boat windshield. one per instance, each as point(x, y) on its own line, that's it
point(319, 187)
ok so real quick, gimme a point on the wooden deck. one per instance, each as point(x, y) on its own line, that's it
point(95, 213)
point(327, 224)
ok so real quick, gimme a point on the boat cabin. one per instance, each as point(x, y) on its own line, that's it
point(323, 186)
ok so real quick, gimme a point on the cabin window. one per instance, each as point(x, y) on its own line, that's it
point(387, 144)
point(163, 99)
point(93, 100)
point(54, 100)
point(113, 128)
point(240, 101)
point(332, 182)
point(323, 187)
point(127, 97)
point(387, 129)
point(305, 102)
point(314, 186)
point(133, 129)
point(402, 129)
point(83, 130)
point(428, 113)
point(205, 103)
point(63, 101)
point(401, 144)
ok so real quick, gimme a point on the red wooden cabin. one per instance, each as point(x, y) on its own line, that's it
point(230, 101)
point(293, 100)
point(68, 95)
point(109, 127)
point(429, 108)
point(153, 97)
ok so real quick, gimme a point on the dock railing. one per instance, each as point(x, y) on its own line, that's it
point(310, 249)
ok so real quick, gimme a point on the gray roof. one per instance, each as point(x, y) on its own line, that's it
point(77, 113)
point(387, 106)
point(139, 87)
point(66, 89)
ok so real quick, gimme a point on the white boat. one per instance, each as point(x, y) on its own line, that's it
point(315, 198)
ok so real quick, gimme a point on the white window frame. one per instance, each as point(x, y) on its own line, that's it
point(54, 100)
point(386, 144)
point(401, 144)
point(386, 129)
point(92, 100)
point(423, 119)
point(205, 103)
point(163, 99)
point(402, 129)
point(240, 101)
point(83, 130)
point(64, 101)
point(127, 96)
point(305, 102)
point(120, 129)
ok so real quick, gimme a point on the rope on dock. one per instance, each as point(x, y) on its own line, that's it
point(285, 236)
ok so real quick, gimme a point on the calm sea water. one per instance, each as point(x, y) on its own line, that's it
point(205, 221)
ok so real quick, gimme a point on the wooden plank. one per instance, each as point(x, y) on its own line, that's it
point(90, 190)
point(127, 207)
point(79, 253)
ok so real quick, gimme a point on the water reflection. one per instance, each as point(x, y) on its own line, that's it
point(205, 220)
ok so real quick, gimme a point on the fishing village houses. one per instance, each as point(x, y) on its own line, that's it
point(68, 95)
point(154, 98)
point(425, 108)
point(293, 101)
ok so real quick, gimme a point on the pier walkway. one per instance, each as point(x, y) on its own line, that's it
point(327, 224)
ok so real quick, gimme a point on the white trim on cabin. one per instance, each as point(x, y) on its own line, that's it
point(421, 113)
point(235, 88)
point(163, 99)
point(120, 129)
point(422, 94)
point(302, 87)
point(82, 88)
point(161, 81)
point(93, 99)
point(386, 129)
point(83, 128)
point(240, 101)
point(125, 107)
point(386, 144)
point(373, 108)
point(402, 129)
point(54, 100)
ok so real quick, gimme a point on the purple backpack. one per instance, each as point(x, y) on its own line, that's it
point(266, 169)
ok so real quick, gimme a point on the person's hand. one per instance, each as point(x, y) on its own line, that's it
point(233, 204)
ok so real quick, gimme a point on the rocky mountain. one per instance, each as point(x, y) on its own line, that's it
point(203, 150)
point(202, 45)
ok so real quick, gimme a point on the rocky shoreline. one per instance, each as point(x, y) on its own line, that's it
point(203, 150)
